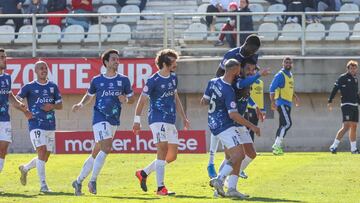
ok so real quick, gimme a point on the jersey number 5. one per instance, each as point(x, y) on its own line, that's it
point(212, 104)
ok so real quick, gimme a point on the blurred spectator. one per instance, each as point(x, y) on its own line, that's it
point(56, 7)
point(12, 7)
point(142, 4)
point(294, 6)
point(80, 6)
point(321, 6)
point(214, 7)
point(35, 7)
point(246, 24)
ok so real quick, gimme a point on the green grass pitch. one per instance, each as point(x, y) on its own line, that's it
point(294, 177)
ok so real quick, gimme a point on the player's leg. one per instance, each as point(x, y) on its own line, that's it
point(85, 170)
point(234, 177)
point(172, 142)
point(352, 138)
point(103, 133)
point(346, 111)
point(214, 141)
point(40, 166)
point(284, 125)
point(3, 150)
point(5, 140)
point(230, 140)
point(252, 117)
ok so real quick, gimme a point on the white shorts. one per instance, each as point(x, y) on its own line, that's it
point(244, 135)
point(5, 131)
point(164, 132)
point(41, 137)
point(103, 130)
point(230, 137)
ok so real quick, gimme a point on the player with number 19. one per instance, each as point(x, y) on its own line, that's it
point(43, 98)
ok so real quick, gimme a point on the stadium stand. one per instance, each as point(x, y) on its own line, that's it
point(268, 31)
point(93, 33)
point(8, 34)
point(291, 32)
point(25, 35)
point(274, 8)
point(50, 34)
point(348, 17)
point(315, 32)
point(356, 33)
point(338, 31)
point(120, 33)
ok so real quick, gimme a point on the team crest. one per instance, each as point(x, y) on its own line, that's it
point(119, 83)
point(170, 85)
point(146, 88)
point(162, 86)
point(233, 105)
point(51, 89)
point(36, 91)
point(44, 91)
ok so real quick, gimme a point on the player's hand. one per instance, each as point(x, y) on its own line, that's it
point(329, 105)
point(264, 72)
point(273, 106)
point(260, 115)
point(186, 123)
point(47, 107)
point(136, 128)
point(256, 130)
point(297, 101)
point(76, 107)
point(123, 99)
point(28, 114)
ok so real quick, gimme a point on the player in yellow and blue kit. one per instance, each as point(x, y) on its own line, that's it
point(281, 97)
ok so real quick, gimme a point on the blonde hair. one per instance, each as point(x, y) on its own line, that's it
point(351, 63)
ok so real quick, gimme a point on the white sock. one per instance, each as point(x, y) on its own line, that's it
point(160, 172)
point(225, 171)
point(150, 168)
point(335, 143)
point(214, 141)
point(245, 162)
point(278, 141)
point(225, 161)
point(31, 164)
point(353, 146)
point(86, 169)
point(40, 165)
point(98, 164)
point(233, 180)
point(1, 164)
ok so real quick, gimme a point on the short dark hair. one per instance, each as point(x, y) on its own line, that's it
point(253, 39)
point(163, 56)
point(106, 55)
point(287, 58)
point(2, 50)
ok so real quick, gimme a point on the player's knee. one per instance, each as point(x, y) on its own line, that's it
point(171, 158)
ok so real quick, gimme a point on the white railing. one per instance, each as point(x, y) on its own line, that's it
point(168, 32)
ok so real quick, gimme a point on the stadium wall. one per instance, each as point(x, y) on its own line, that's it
point(313, 127)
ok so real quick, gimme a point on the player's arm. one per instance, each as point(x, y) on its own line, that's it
point(180, 109)
point(333, 93)
point(276, 83)
point(205, 100)
point(84, 101)
point(259, 113)
point(297, 99)
point(128, 96)
point(138, 110)
point(19, 106)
